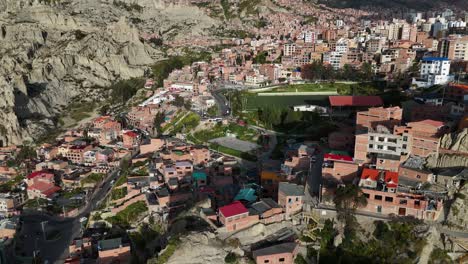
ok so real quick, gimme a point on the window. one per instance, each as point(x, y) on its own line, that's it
point(417, 203)
point(371, 137)
point(389, 199)
point(266, 261)
point(405, 138)
point(297, 199)
point(289, 200)
point(418, 176)
point(281, 260)
point(371, 146)
point(378, 197)
point(379, 147)
point(403, 201)
point(381, 139)
point(391, 148)
point(366, 195)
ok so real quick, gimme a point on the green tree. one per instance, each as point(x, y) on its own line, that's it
point(104, 109)
point(366, 73)
point(260, 58)
point(122, 91)
point(178, 101)
point(347, 199)
point(230, 258)
point(158, 120)
point(26, 152)
point(212, 111)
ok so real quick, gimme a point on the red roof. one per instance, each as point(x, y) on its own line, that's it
point(34, 174)
point(45, 188)
point(355, 100)
point(330, 156)
point(370, 174)
point(391, 179)
point(236, 208)
point(131, 134)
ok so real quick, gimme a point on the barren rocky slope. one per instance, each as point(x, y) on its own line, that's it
point(53, 52)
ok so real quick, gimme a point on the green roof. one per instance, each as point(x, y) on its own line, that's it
point(199, 175)
point(247, 195)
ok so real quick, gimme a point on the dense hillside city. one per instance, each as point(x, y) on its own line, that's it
point(233, 131)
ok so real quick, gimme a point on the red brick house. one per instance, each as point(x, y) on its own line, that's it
point(130, 139)
point(235, 216)
point(339, 168)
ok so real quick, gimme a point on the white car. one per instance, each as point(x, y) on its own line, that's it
point(83, 219)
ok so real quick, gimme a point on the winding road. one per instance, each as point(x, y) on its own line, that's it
point(31, 237)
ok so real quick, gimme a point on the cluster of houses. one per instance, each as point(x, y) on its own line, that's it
point(287, 43)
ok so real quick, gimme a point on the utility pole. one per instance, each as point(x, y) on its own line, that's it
point(43, 229)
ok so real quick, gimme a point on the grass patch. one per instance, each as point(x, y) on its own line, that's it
point(81, 110)
point(129, 214)
point(72, 193)
point(187, 123)
point(233, 152)
point(168, 251)
point(121, 180)
point(241, 132)
point(118, 193)
point(93, 178)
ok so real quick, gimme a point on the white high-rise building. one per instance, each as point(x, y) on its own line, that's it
point(309, 37)
point(433, 71)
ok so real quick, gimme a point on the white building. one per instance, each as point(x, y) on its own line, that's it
point(333, 58)
point(341, 45)
point(311, 108)
point(289, 49)
point(433, 71)
point(308, 36)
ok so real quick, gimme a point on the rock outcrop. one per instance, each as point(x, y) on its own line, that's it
point(453, 151)
point(456, 141)
point(200, 248)
point(67, 50)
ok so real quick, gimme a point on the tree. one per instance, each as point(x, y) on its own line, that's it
point(313, 71)
point(260, 58)
point(212, 111)
point(158, 121)
point(178, 101)
point(26, 152)
point(366, 72)
point(188, 105)
point(347, 200)
point(230, 258)
point(104, 109)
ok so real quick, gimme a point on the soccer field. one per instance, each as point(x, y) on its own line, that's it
point(253, 102)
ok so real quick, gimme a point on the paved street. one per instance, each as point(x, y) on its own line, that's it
point(55, 251)
point(222, 103)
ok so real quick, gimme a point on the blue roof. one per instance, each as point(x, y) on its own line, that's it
point(435, 59)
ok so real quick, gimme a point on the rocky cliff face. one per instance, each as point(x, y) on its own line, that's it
point(457, 143)
point(54, 52)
